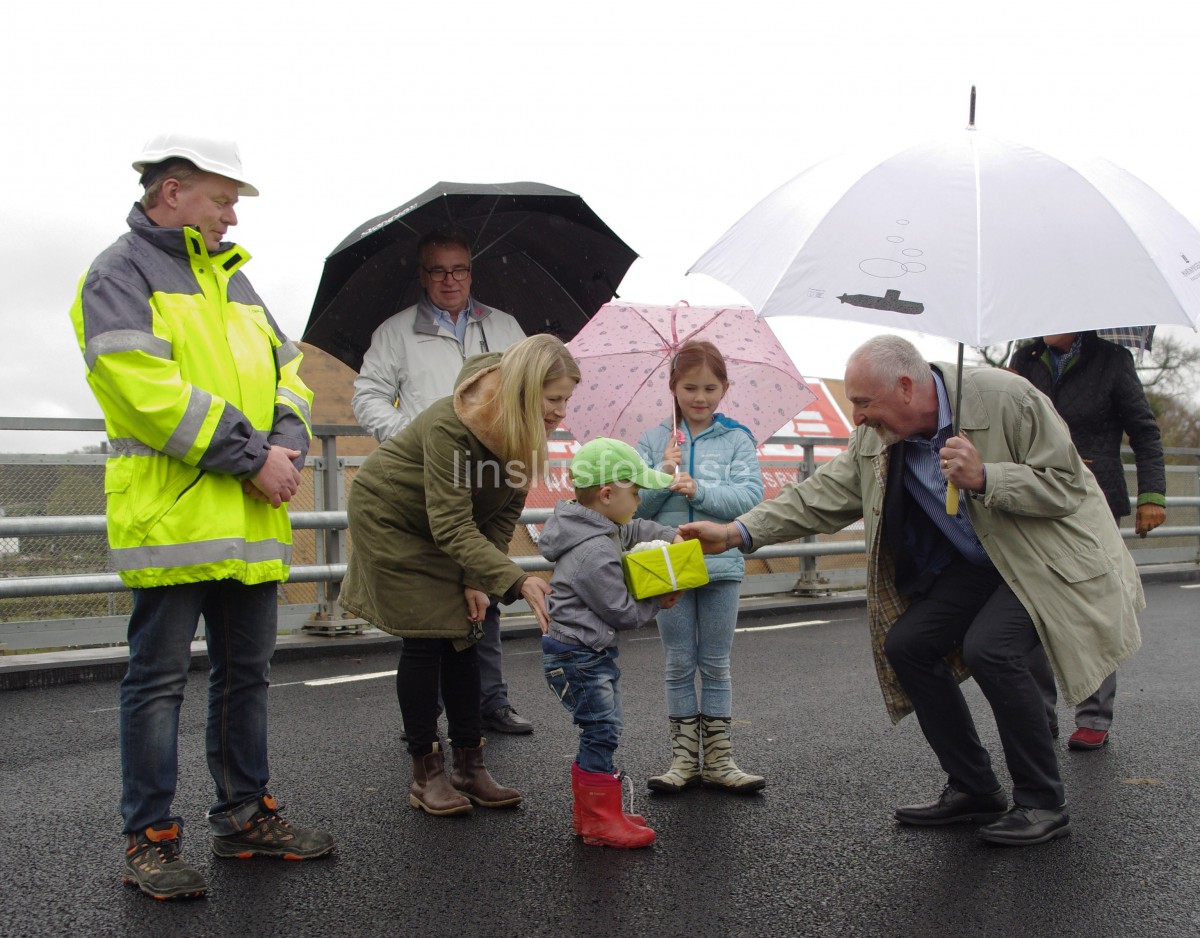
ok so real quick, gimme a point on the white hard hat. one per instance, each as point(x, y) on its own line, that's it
point(212, 156)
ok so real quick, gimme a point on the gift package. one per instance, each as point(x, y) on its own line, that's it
point(652, 570)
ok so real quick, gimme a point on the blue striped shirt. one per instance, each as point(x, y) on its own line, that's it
point(925, 482)
point(458, 327)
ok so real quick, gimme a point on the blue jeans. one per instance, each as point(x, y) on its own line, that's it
point(588, 684)
point(697, 634)
point(241, 626)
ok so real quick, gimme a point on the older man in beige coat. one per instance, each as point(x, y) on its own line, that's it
point(1032, 556)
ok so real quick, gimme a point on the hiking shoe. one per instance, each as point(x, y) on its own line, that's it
point(269, 835)
point(153, 864)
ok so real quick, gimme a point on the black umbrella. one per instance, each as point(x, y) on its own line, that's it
point(538, 253)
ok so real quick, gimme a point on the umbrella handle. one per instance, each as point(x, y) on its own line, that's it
point(951, 498)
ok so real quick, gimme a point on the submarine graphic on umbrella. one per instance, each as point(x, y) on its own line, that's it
point(890, 301)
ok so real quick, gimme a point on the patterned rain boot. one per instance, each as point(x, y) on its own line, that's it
point(685, 757)
point(720, 771)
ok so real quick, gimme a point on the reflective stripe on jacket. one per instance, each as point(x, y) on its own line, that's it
point(196, 382)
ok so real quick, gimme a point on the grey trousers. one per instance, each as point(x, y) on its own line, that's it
point(493, 690)
point(1094, 713)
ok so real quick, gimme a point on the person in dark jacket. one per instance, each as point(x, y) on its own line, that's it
point(1095, 387)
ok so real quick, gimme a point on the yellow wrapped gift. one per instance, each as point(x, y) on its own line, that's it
point(664, 569)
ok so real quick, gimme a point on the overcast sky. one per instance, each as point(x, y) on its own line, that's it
point(671, 119)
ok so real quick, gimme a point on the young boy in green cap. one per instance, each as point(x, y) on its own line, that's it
point(589, 604)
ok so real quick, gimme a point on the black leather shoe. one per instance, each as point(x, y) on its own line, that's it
point(506, 720)
point(954, 806)
point(1022, 827)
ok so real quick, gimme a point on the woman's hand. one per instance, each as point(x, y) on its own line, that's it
point(534, 591)
point(684, 484)
point(667, 600)
point(477, 604)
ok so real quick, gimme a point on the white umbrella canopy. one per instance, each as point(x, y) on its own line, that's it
point(968, 238)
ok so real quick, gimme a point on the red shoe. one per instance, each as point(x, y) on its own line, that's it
point(1085, 738)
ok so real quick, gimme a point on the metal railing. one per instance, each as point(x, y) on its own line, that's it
point(329, 547)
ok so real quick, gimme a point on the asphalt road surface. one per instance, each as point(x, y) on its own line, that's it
point(817, 853)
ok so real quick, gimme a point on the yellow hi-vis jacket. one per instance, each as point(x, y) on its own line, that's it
point(196, 382)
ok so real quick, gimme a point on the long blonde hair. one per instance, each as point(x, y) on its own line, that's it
point(525, 370)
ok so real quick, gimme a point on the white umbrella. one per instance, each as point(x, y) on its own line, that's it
point(969, 238)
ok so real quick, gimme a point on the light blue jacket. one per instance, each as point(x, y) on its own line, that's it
point(724, 462)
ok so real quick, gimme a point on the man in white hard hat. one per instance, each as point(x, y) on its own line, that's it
point(413, 360)
point(208, 424)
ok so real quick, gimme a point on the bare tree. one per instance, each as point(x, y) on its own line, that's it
point(998, 355)
point(1178, 419)
point(1171, 367)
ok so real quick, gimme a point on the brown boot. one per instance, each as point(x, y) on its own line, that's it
point(431, 790)
point(471, 778)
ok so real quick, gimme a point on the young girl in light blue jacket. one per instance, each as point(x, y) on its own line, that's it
point(717, 477)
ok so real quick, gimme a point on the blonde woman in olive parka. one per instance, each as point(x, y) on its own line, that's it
point(431, 514)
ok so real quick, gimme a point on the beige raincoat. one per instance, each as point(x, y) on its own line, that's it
point(1043, 521)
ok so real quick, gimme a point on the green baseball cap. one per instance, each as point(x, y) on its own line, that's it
point(603, 461)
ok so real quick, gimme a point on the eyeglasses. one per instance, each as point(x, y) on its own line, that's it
point(438, 274)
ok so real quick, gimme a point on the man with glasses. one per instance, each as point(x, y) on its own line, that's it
point(413, 360)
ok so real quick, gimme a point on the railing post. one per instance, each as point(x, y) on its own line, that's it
point(330, 493)
point(1196, 492)
point(809, 582)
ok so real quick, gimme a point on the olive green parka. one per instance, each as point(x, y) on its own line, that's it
point(432, 511)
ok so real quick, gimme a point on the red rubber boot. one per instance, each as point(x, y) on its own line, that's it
point(577, 810)
point(602, 823)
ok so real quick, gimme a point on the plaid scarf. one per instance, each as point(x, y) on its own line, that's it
point(1061, 361)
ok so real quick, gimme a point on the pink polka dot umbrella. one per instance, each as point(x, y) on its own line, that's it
point(625, 353)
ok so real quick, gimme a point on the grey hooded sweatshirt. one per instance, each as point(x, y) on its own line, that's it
point(590, 603)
